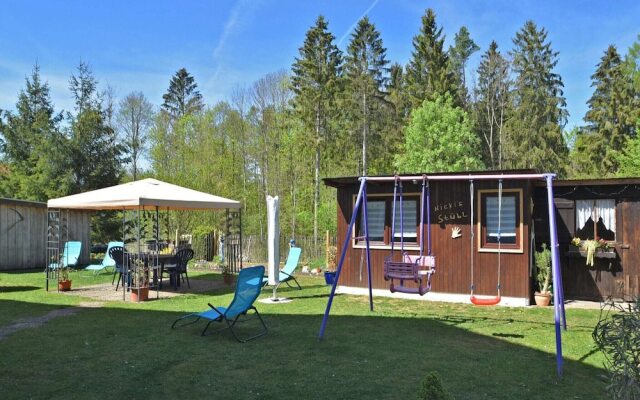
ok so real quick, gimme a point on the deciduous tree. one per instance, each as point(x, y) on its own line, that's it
point(134, 117)
point(439, 138)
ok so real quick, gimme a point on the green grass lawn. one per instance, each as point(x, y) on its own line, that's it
point(128, 350)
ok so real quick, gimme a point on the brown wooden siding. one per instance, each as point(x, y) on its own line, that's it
point(452, 255)
point(23, 227)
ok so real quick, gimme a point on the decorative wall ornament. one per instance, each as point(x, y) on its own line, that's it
point(456, 232)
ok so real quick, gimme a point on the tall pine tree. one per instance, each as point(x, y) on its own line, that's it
point(96, 153)
point(491, 106)
point(534, 135)
point(182, 97)
point(429, 73)
point(459, 55)
point(34, 149)
point(316, 83)
point(365, 73)
point(610, 119)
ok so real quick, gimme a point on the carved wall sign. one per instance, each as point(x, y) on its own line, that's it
point(450, 212)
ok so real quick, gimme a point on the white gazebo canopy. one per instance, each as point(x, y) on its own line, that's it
point(147, 194)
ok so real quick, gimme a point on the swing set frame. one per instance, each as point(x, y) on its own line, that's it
point(360, 204)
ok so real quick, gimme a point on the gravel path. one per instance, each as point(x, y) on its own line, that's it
point(107, 292)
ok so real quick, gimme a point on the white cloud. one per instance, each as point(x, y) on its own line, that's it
point(240, 15)
point(229, 28)
point(367, 11)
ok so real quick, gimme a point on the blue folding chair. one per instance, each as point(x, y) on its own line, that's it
point(107, 261)
point(70, 256)
point(286, 273)
point(247, 291)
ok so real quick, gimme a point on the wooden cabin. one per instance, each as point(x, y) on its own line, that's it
point(523, 227)
point(603, 208)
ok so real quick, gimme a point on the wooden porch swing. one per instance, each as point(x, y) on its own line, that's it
point(418, 269)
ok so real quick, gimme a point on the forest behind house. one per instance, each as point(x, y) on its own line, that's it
point(334, 112)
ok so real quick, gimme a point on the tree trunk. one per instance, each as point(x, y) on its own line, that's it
point(364, 133)
point(316, 194)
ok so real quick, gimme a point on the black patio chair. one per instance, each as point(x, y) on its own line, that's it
point(117, 255)
point(179, 271)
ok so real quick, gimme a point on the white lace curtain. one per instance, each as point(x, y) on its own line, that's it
point(596, 209)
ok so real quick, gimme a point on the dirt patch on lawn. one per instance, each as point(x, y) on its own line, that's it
point(34, 322)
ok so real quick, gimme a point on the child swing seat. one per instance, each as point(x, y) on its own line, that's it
point(486, 300)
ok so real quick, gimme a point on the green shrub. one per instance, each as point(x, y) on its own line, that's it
point(432, 389)
point(543, 268)
point(317, 263)
point(617, 335)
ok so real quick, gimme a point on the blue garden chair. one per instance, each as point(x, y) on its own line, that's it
point(69, 257)
point(247, 291)
point(286, 273)
point(107, 261)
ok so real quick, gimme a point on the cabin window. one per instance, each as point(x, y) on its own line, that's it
point(380, 210)
point(500, 225)
point(596, 219)
point(406, 229)
point(376, 210)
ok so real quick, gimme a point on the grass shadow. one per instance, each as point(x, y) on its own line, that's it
point(364, 356)
point(12, 289)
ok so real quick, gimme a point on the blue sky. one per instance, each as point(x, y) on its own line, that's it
point(138, 45)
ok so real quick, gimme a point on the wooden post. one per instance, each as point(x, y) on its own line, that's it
point(326, 250)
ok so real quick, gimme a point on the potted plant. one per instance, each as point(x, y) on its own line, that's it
point(64, 283)
point(543, 276)
point(330, 273)
point(139, 282)
point(227, 275)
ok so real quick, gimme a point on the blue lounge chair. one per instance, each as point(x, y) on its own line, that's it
point(247, 291)
point(69, 257)
point(286, 273)
point(107, 261)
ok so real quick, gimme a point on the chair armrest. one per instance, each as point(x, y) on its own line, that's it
point(215, 309)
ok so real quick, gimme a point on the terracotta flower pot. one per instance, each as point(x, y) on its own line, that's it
point(228, 279)
point(542, 299)
point(64, 286)
point(139, 294)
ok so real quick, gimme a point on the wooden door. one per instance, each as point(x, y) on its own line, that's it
point(629, 247)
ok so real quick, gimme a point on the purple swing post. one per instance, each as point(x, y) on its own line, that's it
point(365, 217)
point(354, 214)
point(558, 295)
